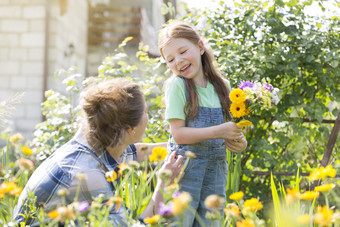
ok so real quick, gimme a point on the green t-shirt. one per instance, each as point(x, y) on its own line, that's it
point(175, 97)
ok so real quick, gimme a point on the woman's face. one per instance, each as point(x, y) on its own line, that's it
point(140, 128)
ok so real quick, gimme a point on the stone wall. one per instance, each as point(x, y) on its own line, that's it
point(27, 64)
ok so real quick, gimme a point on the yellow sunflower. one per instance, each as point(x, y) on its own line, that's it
point(238, 109)
point(237, 96)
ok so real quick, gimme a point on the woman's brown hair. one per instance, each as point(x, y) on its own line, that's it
point(181, 30)
point(110, 108)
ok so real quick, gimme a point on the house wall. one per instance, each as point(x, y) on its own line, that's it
point(26, 66)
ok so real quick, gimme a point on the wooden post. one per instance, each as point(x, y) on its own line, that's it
point(331, 142)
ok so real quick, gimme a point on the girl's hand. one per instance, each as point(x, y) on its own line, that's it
point(236, 145)
point(230, 131)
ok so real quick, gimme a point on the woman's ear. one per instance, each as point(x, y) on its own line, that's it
point(201, 46)
point(131, 131)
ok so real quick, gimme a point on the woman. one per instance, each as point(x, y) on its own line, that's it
point(115, 116)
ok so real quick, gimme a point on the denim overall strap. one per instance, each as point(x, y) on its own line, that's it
point(206, 117)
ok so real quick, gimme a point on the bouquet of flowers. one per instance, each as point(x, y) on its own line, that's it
point(250, 96)
point(245, 100)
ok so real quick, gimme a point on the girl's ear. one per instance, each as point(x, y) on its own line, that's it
point(201, 46)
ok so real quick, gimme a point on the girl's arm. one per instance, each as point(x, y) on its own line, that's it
point(145, 149)
point(186, 135)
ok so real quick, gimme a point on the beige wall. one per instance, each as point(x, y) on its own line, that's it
point(23, 54)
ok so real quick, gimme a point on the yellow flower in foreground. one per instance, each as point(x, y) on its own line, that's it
point(292, 194)
point(27, 150)
point(123, 167)
point(322, 173)
point(115, 200)
point(244, 123)
point(309, 195)
point(238, 109)
point(324, 188)
point(53, 214)
point(158, 154)
point(232, 210)
point(252, 204)
point(181, 203)
point(323, 216)
point(15, 138)
point(237, 95)
point(10, 188)
point(245, 223)
point(303, 219)
point(111, 176)
point(236, 196)
point(153, 219)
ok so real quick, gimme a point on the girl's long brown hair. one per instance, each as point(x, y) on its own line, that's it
point(185, 31)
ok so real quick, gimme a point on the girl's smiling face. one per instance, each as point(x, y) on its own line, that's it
point(184, 58)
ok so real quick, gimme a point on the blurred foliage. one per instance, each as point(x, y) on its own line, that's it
point(253, 40)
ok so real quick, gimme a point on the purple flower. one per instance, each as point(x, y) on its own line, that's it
point(267, 86)
point(176, 194)
point(243, 84)
point(165, 210)
point(83, 206)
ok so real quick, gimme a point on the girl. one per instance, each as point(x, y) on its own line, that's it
point(197, 107)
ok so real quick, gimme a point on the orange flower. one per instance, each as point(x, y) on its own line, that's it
point(27, 150)
point(181, 203)
point(111, 175)
point(15, 138)
point(152, 220)
point(10, 188)
point(292, 194)
point(309, 195)
point(158, 154)
point(323, 216)
point(324, 188)
point(115, 200)
point(232, 210)
point(237, 95)
point(238, 109)
point(245, 223)
point(123, 167)
point(53, 214)
point(236, 196)
point(322, 173)
point(244, 123)
point(252, 204)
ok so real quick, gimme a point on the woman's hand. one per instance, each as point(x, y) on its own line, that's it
point(236, 145)
point(174, 165)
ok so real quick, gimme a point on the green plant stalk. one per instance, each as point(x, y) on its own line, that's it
point(277, 204)
point(229, 179)
point(237, 172)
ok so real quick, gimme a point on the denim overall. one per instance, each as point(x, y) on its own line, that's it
point(206, 174)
